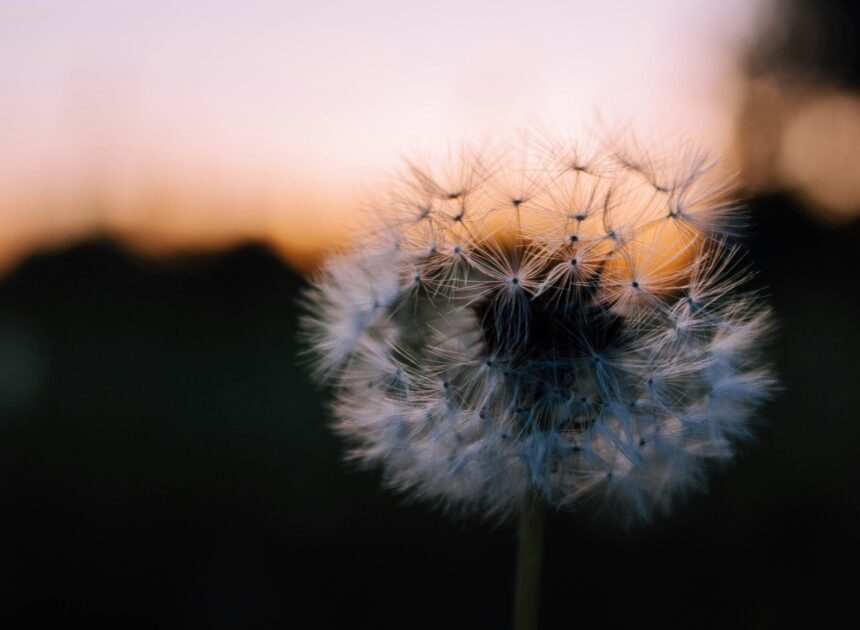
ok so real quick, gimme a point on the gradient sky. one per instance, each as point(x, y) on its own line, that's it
point(176, 123)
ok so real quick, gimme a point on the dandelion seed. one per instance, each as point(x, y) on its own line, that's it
point(560, 325)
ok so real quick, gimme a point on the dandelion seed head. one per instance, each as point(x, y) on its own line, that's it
point(545, 319)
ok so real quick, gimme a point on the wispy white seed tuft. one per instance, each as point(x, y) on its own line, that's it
point(559, 321)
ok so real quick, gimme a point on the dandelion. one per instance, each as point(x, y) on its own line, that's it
point(550, 327)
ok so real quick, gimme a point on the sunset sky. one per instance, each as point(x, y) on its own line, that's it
point(197, 123)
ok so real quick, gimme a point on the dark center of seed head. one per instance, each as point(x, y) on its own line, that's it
point(548, 328)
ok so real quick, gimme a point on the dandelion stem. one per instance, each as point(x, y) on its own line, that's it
point(529, 556)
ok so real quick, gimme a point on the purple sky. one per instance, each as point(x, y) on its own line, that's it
point(173, 121)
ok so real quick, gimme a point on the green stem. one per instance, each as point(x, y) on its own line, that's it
point(529, 556)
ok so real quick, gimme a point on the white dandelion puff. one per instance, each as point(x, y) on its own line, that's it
point(556, 323)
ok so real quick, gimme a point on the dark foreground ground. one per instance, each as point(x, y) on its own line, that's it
point(164, 462)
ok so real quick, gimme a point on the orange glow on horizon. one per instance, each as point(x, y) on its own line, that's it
point(195, 126)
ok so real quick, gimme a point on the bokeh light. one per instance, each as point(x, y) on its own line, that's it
point(820, 153)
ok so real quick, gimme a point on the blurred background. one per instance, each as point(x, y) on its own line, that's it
point(169, 172)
